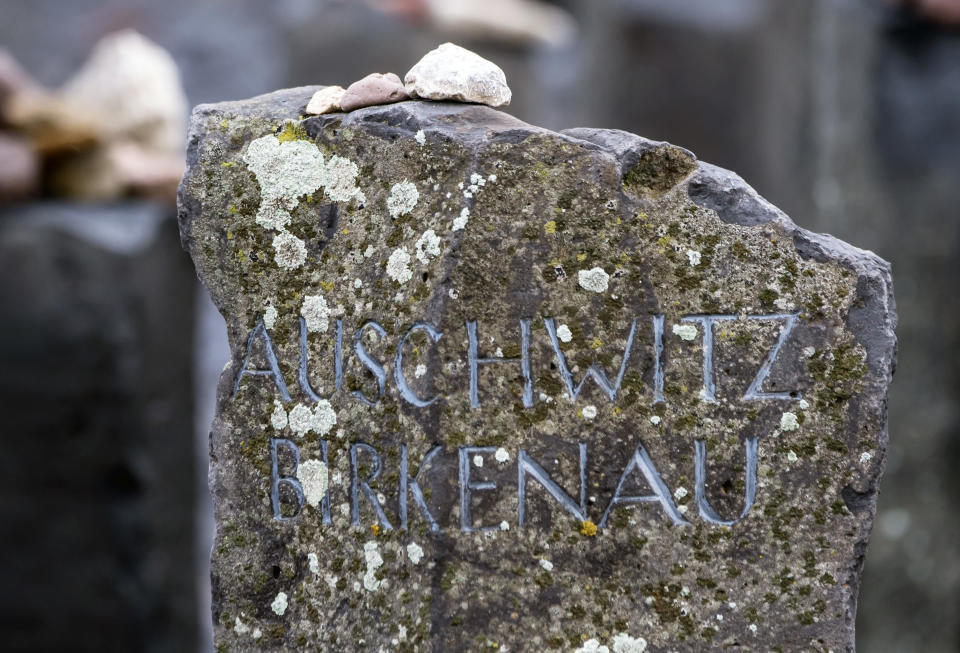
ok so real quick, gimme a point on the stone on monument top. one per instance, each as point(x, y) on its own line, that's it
point(499, 387)
point(450, 72)
point(374, 89)
point(326, 100)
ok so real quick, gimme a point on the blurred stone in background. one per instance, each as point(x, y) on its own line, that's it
point(115, 128)
point(96, 476)
point(842, 112)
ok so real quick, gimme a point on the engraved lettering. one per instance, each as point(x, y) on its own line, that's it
point(271, 355)
point(467, 487)
point(658, 359)
point(370, 363)
point(303, 374)
point(641, 461)
point(755, 391)
point(709, 392)
point(405, 391)
point(411, 484)
point(706, 510)
point(291, 481)
point(594, 371)
point(356, 486)
point(524, 360)
point(528, 466)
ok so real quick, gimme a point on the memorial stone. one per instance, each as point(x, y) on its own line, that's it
point(495, 387)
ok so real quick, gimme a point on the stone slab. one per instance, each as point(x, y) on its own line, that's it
point(495, 387)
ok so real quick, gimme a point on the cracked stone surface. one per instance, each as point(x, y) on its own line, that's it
point(495, 387)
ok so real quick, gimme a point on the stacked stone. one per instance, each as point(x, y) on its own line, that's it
point(446, 73)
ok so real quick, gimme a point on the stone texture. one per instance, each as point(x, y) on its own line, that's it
point(518, 308)
point(453, 73)
point(374, 89)
point(326, 100)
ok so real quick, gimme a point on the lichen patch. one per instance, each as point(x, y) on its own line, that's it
point(427, 246)
point(289, 252)
point(314, 479)
point(460, 222)
point(278, 418)
point(285, 171)
point(415, 553)
point(403, 198)
point(595, 279)
point(279, 604)
point(789, 422)
point(685, 331)
point(373, 559)
point(269, 316)
point(398, 265)
point(316, 313)
point(320, 420)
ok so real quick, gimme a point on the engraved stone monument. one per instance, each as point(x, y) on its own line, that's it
point(498, 388)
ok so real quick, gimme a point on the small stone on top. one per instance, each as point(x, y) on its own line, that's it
point(454, 73)
point(326, 100)
point(374, 89)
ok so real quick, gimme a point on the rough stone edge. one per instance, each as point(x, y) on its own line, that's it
point(873, 321)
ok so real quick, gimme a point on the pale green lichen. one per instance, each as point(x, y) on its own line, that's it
point(595, 279)
point(315, 313)
point(320, 420)
point(398, 265)
point(278, 418)
point(427, 246)
point(403, 198)
point(285, 171)
point(290, 252)
point(313, 477)
point(685, 331)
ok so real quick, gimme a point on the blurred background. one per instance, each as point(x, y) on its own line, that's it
point(844, 113)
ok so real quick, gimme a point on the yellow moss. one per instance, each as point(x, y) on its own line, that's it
point(550, 227)
point(375, 529)
point(327, 285)
point(581, 257)
point(588, 528)
point(291, 132)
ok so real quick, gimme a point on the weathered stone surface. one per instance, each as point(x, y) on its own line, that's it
point(326, 100)
point(453, 73)
point(497, 386)
point(374, 89)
